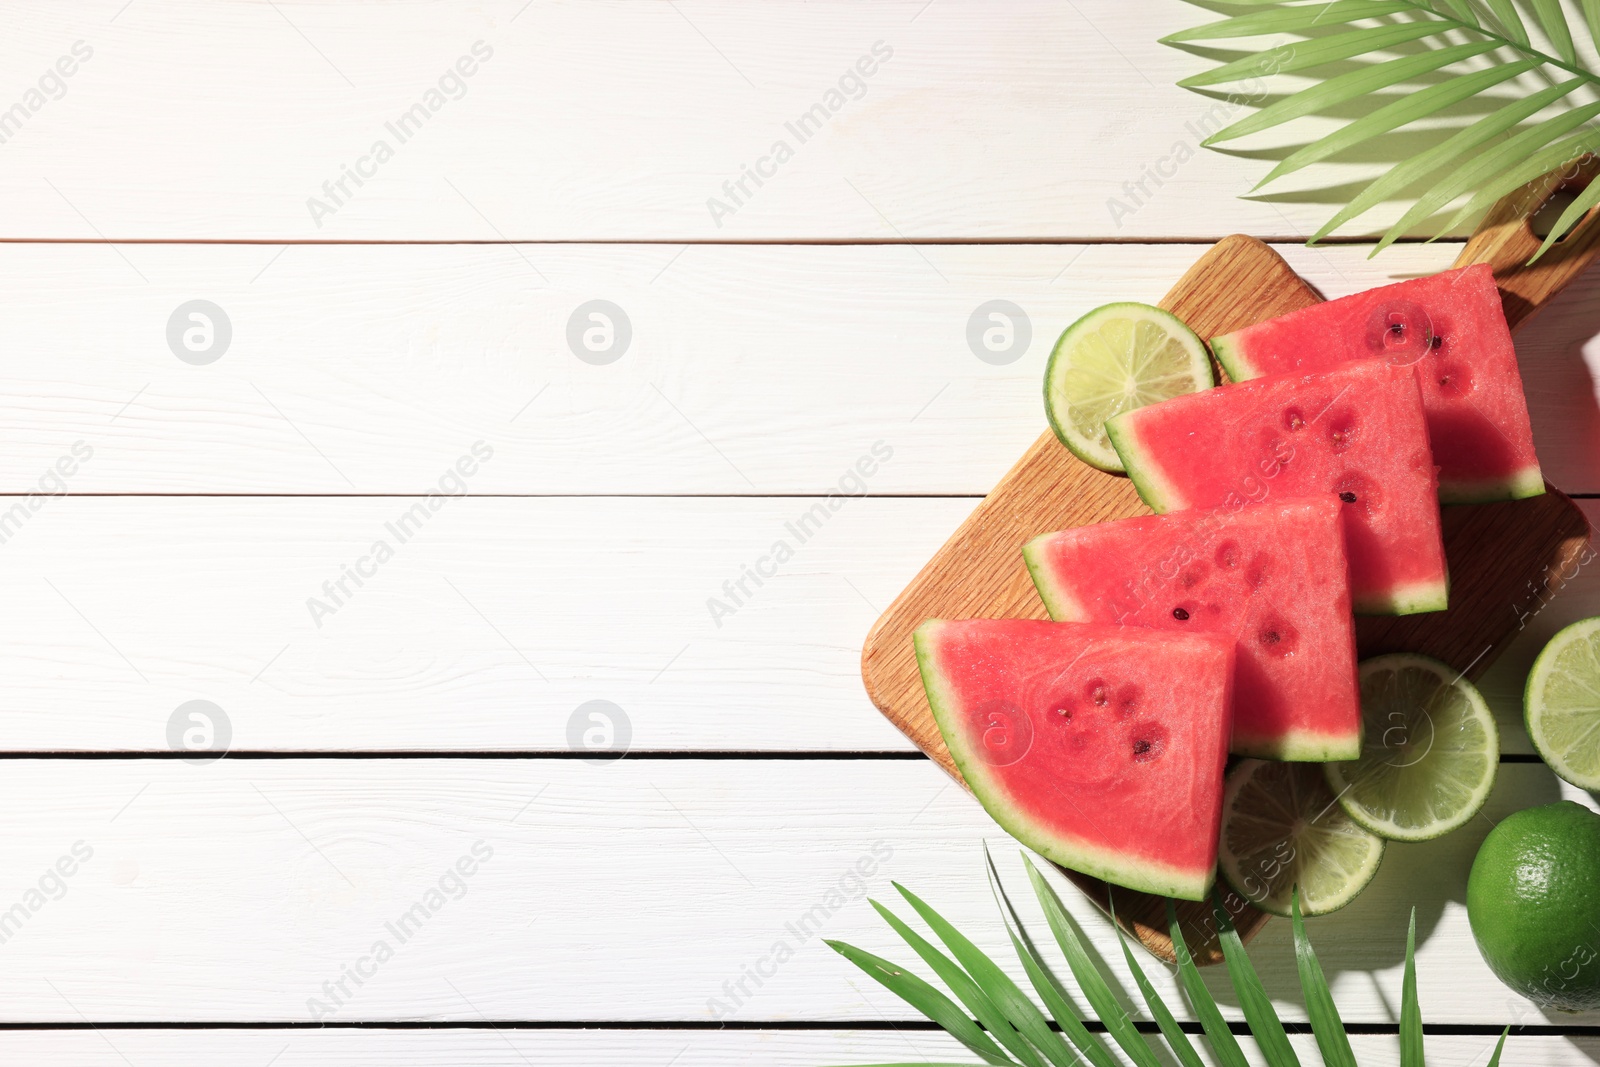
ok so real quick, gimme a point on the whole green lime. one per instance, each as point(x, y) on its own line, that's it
point(1534, 902)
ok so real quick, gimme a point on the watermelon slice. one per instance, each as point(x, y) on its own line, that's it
point(1452, 328)
point(1272, 576)
point(1099, 747)
point(1356, 433)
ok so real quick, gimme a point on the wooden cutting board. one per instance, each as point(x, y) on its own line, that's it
point(1500, 555)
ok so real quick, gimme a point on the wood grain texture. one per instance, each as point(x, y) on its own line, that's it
point(618, 120)
point(509, 1047)
point(979, 571)
point(390, 360)
point(640, 890)
point(1505, 240)
point(207, 599)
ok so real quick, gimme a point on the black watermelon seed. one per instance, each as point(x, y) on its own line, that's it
point(1180, 614)
point(1348, 497)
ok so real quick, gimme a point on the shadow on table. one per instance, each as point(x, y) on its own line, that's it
point(1370, 933)
point(1559, 350)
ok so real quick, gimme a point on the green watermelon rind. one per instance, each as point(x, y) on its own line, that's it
point(1078, 855)
point(1232, 358)
point(1406, 600)
point(1152, 488)
point(1057, 601)
point(1299, 746)
point(1529, 481)
point(1175, 327)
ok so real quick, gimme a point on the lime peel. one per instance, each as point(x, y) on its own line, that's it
point(1116, 358)
point(1283, 828)
point(1429, 753)
point(1561, 703)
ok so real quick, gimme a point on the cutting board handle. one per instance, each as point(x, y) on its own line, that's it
point(1506, 241)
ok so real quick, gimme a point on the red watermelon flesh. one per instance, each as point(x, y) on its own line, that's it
point(1356, 433)
point(1099, 747)
point(1452, 328)
point(1272, 576)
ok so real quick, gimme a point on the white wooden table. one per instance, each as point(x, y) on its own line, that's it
point(391, 361)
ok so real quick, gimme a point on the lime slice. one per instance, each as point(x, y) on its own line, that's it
point(1561, 704)
point(1114, 359)
point(1429, 751)
point(1282, 827)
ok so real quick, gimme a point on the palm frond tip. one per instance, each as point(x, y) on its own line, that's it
point(1010, 1030)
point(1438, 57)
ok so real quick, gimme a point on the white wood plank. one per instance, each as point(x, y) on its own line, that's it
point(490, 627)
point(750, 369)
point(642, 1048)
point(621, 120)
point(635, 891)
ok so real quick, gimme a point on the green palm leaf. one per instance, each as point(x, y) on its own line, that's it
point(1477, 161)
point(1537, 165)
point(1021, 1012)
point(1289, 19)
point(966, 990)
point(1569, 218)
point(1410, 1012)
point(1461, 9)
point(1348, 86)
point(1506, 13)
point(1553, 21)
point(1456, 147)
point(1393, 116)
point(1325, 1021)
point(982, 986)
point(1253, 999)
point(1176, 1039)
point(926, 999)
point(1485, 166)
point(1044, 983)
point(1099, 994)
point(1320, 50)
point(1500, 1046)
point(1223, 1044)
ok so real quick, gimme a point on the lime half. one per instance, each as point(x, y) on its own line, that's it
point(1429, 750)
point(1114, 359)
point(1561, 704)
point(1282, 827)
